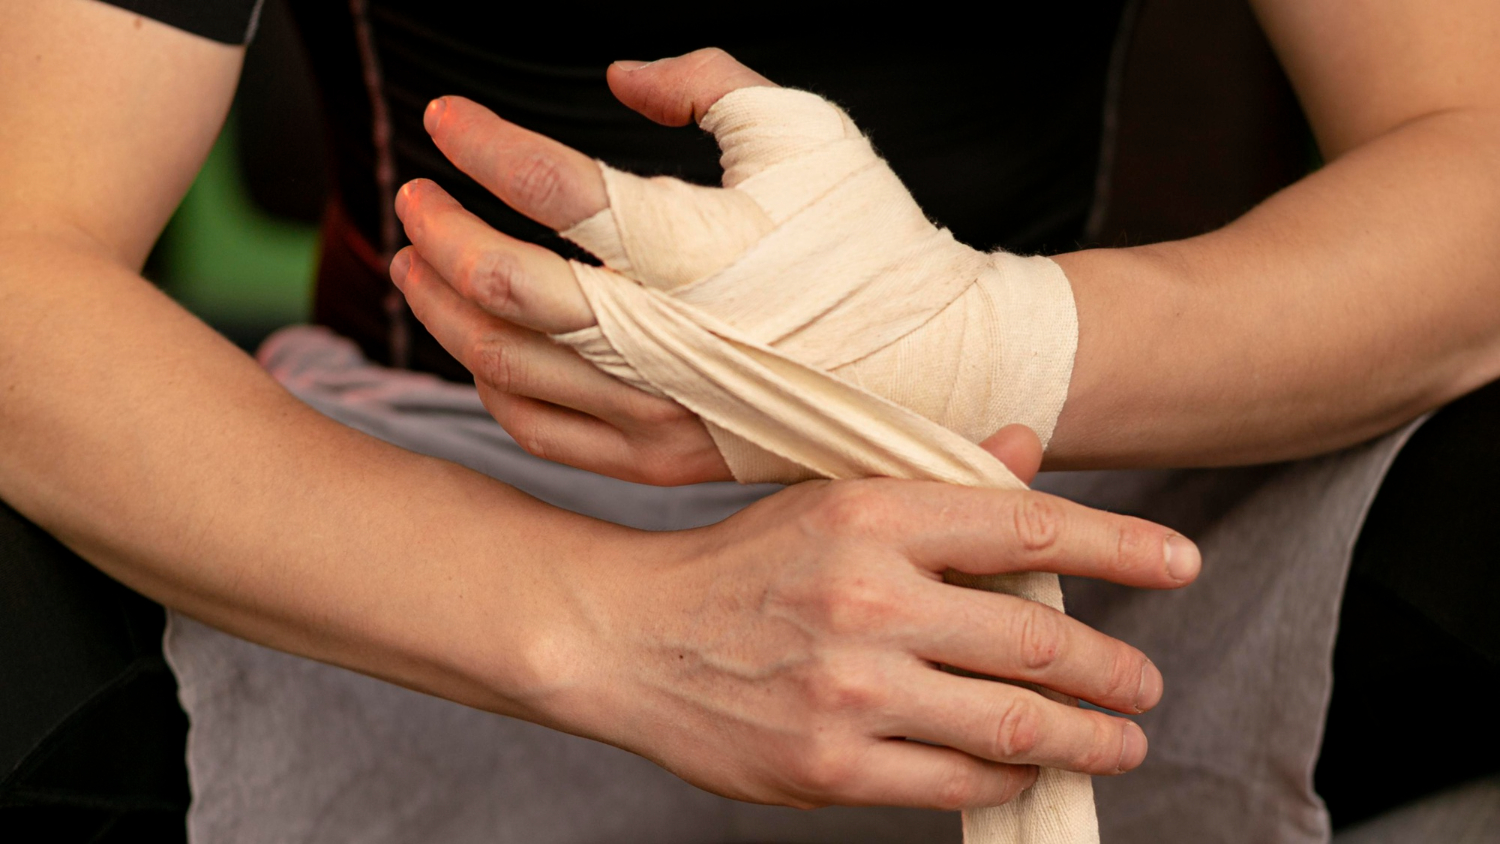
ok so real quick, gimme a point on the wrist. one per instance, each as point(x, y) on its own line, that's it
point(563, 657)
point(1133, 351)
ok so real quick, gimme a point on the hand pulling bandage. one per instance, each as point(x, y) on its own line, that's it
point(822, 327)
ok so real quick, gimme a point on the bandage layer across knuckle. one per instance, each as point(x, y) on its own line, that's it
point(817, 250)
point(822, 326)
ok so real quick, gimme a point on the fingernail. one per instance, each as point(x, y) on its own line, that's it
point(630, 65)
point(400, 265)
point(1148, 694)
point(434, 113)
point(1132, 747)
point(1183, 559)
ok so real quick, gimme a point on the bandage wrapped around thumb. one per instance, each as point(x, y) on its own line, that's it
point(822, 326)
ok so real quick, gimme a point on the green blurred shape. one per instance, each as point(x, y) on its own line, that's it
point(226, 260)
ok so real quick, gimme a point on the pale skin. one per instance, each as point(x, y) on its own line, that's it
point(780, 657)
point(1356, 299)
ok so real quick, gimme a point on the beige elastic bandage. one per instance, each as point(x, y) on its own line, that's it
point(821, 326)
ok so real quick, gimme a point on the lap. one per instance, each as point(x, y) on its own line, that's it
point(82, 678)
point(290, 750)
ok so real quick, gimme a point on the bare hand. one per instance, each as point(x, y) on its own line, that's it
point(786, 655)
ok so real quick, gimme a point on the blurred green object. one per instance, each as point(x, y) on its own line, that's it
point(240, 269)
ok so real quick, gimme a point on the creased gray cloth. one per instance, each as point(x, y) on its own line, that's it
point(286, 750)
point(1246, 651)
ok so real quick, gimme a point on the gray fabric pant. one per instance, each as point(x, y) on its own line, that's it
point(287, 750)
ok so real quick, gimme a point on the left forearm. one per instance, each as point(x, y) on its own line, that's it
point(1352, 301)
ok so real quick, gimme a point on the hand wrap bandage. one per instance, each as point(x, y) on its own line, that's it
point(821, 326)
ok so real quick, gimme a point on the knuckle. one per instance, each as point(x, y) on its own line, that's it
point(853, 603)
point(850, 508)
point(958, 789)
point(528, 435)
point(1125, 672)
point(1103, 755)
point(497, 363)
point(1017, 730)
point(1038, 522)
point(843, 692)
point(706, 58)
point(490, 277)
point(536, 181)
point(825, 770)
point(534, 444)
point(1040, 639)
point(660, 103)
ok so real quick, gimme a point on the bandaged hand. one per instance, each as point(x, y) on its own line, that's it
point(816, 250)
point(814, 253)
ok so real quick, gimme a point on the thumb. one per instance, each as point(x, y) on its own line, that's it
point(678, 91)
point(1018, 448)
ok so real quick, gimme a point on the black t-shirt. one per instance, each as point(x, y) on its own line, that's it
point(229, 21)
point(994, 125)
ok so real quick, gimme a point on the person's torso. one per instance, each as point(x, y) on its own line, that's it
point(992, 119)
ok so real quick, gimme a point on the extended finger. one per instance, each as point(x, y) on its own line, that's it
point(679, 90)
point(1005, 723)
point(986, 531)
point(902, 773)
point(579, 440)
point(508, 358)
point(517, 281)
point(549, 182)
point(554, 433)
point(1005, 636)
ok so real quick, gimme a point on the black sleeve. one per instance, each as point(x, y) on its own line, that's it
point(227, 21)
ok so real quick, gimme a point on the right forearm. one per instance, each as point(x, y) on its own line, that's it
point(170, 460)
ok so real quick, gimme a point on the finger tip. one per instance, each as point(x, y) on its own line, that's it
point(403, 197)
point(1133, 747)
point(432, 117)
point(1183, 559)
point(1151, 688)
point(400, 266)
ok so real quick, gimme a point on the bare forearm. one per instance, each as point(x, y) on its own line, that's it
point(1347, 304)
point(169, 459)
